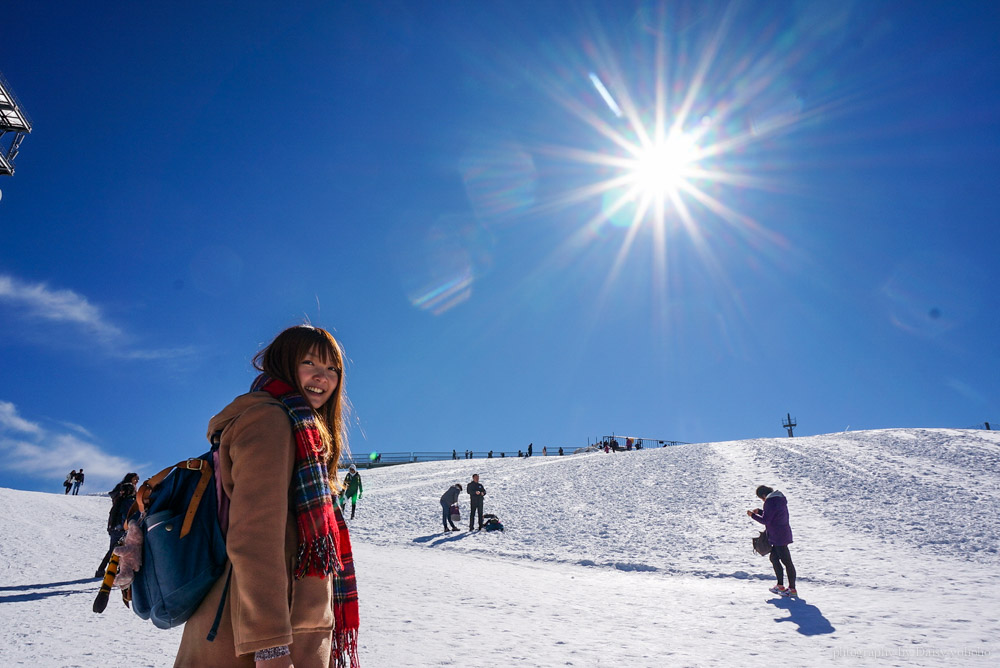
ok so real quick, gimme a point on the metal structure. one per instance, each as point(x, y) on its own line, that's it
point(364, 461)
point(14, 125)
point(789, 423)
point(621, 442)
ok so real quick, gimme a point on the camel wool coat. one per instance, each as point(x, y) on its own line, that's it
point(266, 605)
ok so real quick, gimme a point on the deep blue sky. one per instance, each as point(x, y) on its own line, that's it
point(414, 175)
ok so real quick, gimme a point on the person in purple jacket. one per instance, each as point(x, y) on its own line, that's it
point(774, 517)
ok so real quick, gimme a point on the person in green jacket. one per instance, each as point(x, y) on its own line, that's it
point(352, 489)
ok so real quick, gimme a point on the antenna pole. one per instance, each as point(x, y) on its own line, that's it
point(789, 424)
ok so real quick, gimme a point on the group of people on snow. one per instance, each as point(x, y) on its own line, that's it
point(449, 503)
point(469, 454)
point(612, 444)
point(73, 482)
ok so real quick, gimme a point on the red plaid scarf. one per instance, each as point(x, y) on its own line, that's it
point(324, 543)
point(345, 603)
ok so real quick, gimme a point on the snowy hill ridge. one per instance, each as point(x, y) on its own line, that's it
point(681, 508)
point(896, 544)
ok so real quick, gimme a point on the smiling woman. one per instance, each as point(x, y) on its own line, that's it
point(289, 549)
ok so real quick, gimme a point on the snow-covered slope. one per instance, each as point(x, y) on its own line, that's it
point(634, 558)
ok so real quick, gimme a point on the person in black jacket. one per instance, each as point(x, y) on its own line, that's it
point(122, 497)
point(447, 499)
point(476, 493)
point(77, 481)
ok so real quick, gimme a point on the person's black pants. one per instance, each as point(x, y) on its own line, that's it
point(780, 555)
point(446, 517)
point(477, 507)
point(116, 535)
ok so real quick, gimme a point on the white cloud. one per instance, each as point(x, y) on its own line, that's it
point(27, 448)
point(37, 301)
point(161, 354)
point(77, 428)
point(10, 420)
point(57, 305)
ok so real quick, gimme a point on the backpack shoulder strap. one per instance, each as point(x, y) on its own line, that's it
point(193, 464)
point(222, 604)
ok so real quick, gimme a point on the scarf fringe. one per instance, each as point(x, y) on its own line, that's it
point(345, 649)
point(318, 557)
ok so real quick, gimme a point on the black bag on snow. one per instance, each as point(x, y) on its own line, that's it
point(492, 523)
point(184, 547)
point(761, 545)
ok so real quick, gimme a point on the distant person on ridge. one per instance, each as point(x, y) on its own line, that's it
point(476, 493)
point(448, 499)
point(774, 517)
point(122, 497)
point(529, 448)
point(77, 482)
point(68, 483)
point(352, 489)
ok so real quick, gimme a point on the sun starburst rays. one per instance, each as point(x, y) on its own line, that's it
point(674, 138)
point(669, 166)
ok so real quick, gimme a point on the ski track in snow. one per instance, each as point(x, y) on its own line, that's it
point(635, 558)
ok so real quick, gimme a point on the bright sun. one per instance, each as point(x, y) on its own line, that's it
point(659, 169)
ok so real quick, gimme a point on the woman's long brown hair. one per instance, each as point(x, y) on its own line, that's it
point(281, 358)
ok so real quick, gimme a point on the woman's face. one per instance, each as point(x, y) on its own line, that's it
point(318, 378)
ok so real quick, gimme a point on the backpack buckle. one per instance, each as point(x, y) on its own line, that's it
point(194, 464)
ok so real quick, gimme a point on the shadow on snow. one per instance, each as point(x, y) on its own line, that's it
point(439, 538)
point(32, 593)
point(809, 619)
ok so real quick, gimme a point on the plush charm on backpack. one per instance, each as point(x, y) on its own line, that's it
point(129, 554)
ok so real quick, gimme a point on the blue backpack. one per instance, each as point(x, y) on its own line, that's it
point(184, 547)
point(492, 523)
